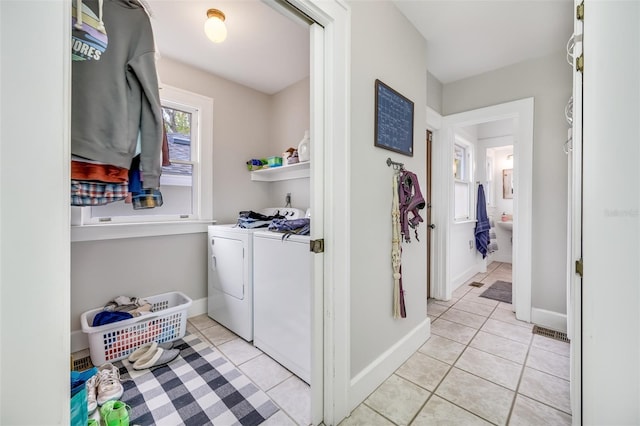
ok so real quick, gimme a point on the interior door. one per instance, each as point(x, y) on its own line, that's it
point(317, 134)
point(574, 284)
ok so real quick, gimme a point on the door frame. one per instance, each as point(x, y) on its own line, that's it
point(523, 113)
point(330, 117)
point(429, 180)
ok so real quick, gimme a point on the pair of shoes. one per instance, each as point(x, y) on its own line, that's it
point(142, 350)
point(115, 413)
point(153, 355)
point(104, 386)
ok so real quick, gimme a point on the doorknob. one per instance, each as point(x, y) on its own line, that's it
point(432, 226)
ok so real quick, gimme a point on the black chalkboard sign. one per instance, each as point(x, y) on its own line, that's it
point(394, 120)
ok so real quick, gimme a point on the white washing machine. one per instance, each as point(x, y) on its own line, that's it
point(230, 273)
point(282, 300)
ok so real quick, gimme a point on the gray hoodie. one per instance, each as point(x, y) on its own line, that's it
point(115, 87)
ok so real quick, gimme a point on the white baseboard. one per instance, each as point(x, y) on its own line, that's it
point(80, 341)
point(382, 367)
point(198, 307)
point(548, 319)
point(466, 276)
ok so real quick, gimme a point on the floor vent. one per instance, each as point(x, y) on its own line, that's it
point(476, 284)
point(552, 334)
point(81, 361)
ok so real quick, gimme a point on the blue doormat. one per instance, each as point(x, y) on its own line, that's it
point(200, 387)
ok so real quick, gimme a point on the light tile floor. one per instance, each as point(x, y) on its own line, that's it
point(481, 366)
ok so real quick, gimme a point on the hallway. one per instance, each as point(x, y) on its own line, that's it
point(481, 366)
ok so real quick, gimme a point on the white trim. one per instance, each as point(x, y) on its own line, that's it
point(549, 319)
point(434, 123)
point(382, 367)
point(522, 111)
point(198, 307)
point(317, 172)
point(434, 120)
point(467, 275)
point(114, 231)
point(80, 340)
point(335, 17)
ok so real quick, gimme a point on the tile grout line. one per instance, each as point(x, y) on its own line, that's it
point(517, 391)
point(467, 345)
point(453, 366)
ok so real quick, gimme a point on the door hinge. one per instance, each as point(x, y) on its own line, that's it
point(579, 267)
point(580, 12)
point(580, 63)
point(317, 246)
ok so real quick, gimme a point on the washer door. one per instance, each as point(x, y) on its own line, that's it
point(226, 266)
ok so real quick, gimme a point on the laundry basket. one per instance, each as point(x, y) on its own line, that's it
point(112, 342)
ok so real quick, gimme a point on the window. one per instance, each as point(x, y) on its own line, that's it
point(462, 179)
point(186, 184)
point(489, 191)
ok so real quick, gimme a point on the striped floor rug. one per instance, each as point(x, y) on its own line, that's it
point(200, 387)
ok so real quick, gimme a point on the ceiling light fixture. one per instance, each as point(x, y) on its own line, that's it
point(214, 26)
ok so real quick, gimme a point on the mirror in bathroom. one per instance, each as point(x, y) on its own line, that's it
point(507, 183)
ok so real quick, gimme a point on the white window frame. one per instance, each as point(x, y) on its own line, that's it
point(85, 228)
point(467, 174)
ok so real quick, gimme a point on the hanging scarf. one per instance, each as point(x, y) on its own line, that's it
point(399, 310)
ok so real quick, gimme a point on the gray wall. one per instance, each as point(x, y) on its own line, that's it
point(240, 132)
point(373, 329)
point(247, 124)
point(434, 93)
point(289, 111)
point(548, 80)
point(102, 270)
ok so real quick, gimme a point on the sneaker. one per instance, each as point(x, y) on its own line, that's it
point(109, 387)
point(115, 413)
point(92, 403)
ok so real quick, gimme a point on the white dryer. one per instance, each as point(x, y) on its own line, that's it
point(230, 273)
point(282, 300)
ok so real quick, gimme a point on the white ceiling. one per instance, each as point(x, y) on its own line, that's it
point(269, 51)
point(264, 49)
point(466, 38)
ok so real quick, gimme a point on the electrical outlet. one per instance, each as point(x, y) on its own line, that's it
point(470, 244)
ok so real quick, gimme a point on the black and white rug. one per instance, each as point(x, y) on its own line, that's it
point(200, 387)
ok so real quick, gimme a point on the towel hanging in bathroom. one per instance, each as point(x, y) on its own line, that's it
point(483, 225)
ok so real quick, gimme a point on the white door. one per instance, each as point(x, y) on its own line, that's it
point(574, 282)
point(316, 133)
point(610, 341)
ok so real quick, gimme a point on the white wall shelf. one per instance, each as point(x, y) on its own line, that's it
point(293, 171)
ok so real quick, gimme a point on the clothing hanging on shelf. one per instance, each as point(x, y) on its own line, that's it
point(115, 96)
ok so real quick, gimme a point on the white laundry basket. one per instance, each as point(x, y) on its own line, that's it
point(112, 342)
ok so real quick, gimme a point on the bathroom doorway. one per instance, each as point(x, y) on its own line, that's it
point(521, 114)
